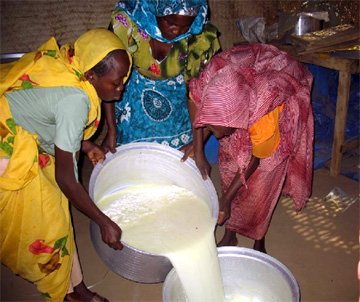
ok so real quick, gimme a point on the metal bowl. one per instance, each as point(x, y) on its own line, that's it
point(143, 163)
point(10, 57)
point(306, 24)
point(247, 272)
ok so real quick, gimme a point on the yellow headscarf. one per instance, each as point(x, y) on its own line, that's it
point(29, 195)
point(50, 66)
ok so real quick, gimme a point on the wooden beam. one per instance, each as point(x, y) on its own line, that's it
point(340, 121)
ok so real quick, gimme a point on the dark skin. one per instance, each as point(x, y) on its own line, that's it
point(200, 135)
point(236, 184)
point(229, 238)
point(170, 26)
point(108, 87)
point(76, 193)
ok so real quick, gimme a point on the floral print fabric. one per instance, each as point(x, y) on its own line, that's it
point(37, 239)
point(144, 13)
point(154, 103)
point(154, 116)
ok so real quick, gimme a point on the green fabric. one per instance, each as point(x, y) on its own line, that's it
point(57, 115)
point(189, 55)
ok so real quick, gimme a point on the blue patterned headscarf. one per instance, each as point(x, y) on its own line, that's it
point(144, 13)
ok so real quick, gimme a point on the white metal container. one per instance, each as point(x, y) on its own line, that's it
point(306, 24)
point(144, 163)
point(247, 272)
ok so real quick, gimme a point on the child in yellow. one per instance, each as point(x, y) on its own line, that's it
point(49, 108)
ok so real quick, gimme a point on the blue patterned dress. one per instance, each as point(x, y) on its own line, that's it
point(153, 107)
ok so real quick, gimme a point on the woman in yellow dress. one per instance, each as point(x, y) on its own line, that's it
point(49, 108)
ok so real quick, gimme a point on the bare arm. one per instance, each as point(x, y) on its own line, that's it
point(188, 149)
point(200, 135)
point(77, 195)
point(109, 142)
point(228, 196)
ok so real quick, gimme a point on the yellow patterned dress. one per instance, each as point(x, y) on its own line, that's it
point(37, 239)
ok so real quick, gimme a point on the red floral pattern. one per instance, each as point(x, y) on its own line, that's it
point(68, 55)
point(43, 160)
point(96, 124)
point(155, 69)
point(25, 77)
point(37, 248)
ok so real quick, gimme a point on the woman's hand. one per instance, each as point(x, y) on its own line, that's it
point(79, 197)
point(109, 142)
point(94, 152)
point(224, 210)
point(188, 151)
point(203, 166)
point(236, 184)
point(111, 234)
point(200, 160)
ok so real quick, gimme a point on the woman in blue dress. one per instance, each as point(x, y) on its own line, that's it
point(170, 42)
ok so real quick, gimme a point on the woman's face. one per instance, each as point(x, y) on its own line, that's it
point(110, 85)
point(172, 26)
point(220, 131)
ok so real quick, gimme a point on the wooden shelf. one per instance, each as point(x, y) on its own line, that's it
point(346, 67)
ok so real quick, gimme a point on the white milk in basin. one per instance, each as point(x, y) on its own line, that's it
point(173, 222)
point(166, 210)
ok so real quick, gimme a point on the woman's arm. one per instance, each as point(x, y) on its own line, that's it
point(109, 143)
point(228, 196)
point(200, 135)
point(188, 149)
point(77, 195)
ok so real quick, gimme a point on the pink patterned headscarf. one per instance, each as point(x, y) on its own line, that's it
point(242, 84)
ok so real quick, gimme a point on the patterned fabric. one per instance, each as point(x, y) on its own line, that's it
point(167, 79)
point(68, 131)
point(144, 13)
point(36, 232)
point(153, 117)
point(50, 66)
point(237, 89)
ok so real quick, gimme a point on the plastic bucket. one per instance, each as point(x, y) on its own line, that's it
point(143, 163)
point(247, 272)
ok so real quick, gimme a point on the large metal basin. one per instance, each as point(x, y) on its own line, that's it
point(245, 271)
point(142, 163)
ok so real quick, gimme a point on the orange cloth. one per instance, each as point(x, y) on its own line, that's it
point(265, 134)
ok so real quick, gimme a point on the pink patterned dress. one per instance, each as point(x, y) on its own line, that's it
point(236, 89)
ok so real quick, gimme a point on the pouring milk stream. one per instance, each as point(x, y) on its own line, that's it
point(173, 222)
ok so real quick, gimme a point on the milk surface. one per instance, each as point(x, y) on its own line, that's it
point(171, 221)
